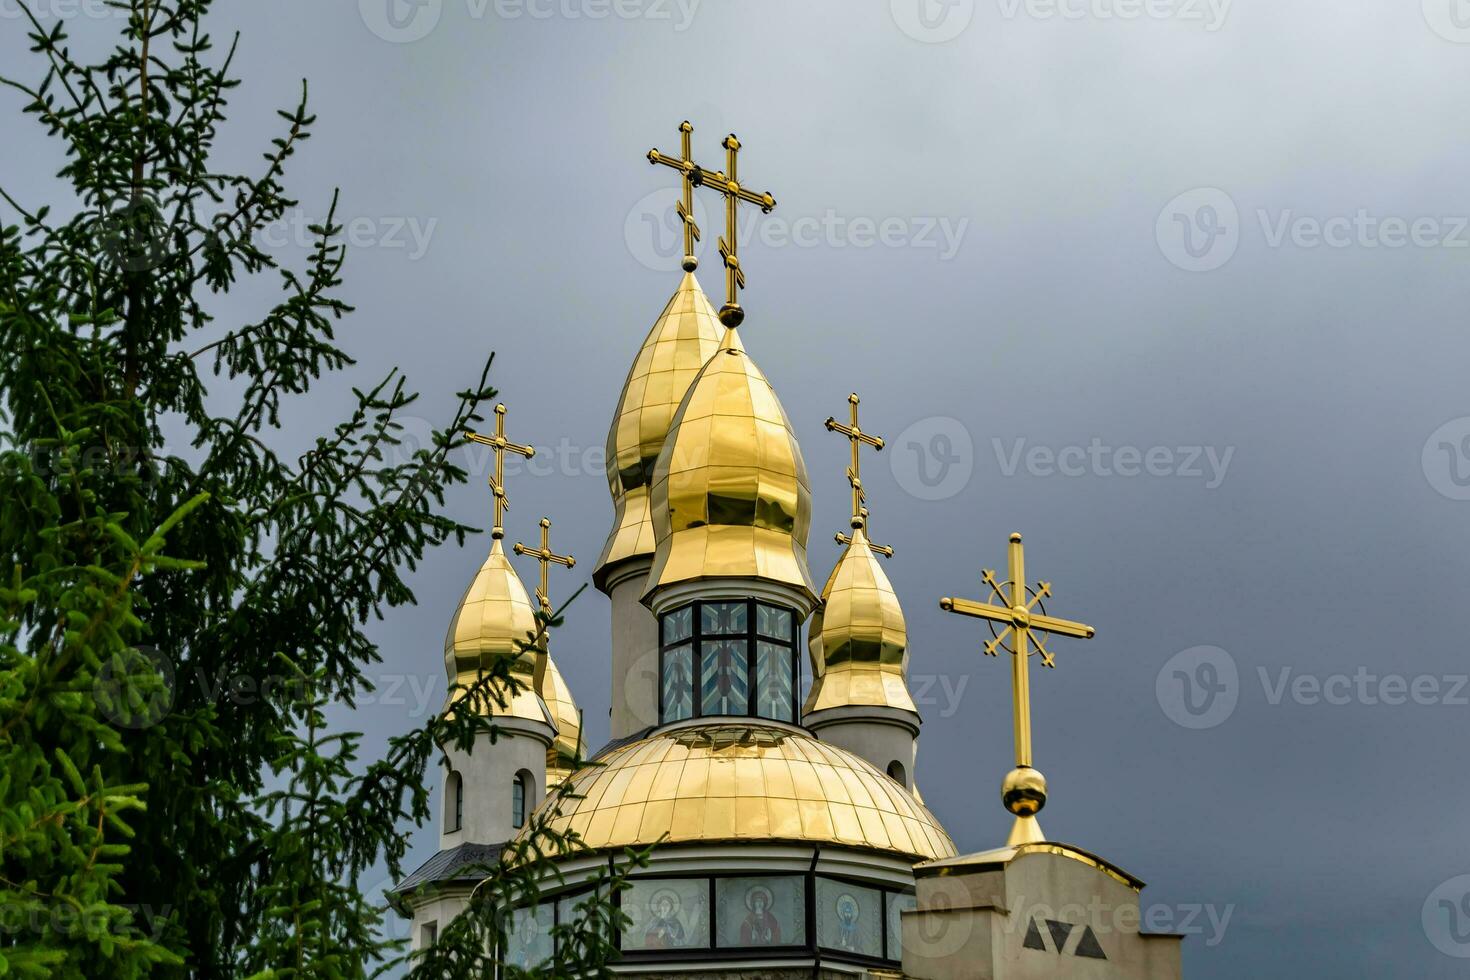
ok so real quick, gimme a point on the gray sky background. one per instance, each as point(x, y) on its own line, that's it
point(1070, 308)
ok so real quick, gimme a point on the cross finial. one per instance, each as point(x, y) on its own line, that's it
point(857, 438)
point(1022, 620)
point(547, 558)
point(727, 182)
point(500, 445)
point(690, 172)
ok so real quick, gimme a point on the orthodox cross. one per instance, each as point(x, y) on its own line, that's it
point(690, 171)
point(500, 445)
point(547, 558)
point(727, 183)
point(1023, 623)
point(857, 438)
point(731, 314)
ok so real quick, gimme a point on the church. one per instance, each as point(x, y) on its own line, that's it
point(792, 840)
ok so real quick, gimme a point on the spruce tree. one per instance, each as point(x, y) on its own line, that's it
point(149, 826)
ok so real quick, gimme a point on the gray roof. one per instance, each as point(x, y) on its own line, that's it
point(449, 865)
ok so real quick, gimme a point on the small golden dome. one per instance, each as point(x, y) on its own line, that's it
point(748, 782)
point(685, 336)
point(493, 619)
point(568, 748)
point(857, 637)
point(730, 493)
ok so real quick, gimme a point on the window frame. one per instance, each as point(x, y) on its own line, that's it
point(752, 637)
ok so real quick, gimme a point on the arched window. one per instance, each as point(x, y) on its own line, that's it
point(520, 799)
point(897, 774)
point(453, 803)
point(728, 658)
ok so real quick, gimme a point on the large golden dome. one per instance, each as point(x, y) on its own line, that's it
point(747, 782)
point(683, 338)
point(494, 618)
point(730, 494)
point(857, 637)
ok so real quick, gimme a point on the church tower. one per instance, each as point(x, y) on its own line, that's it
point(489, 792)
point(859, 643)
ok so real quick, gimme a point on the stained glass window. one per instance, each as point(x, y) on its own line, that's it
point(722, 617)
point(528, 937)
point(773, 670)
point(773, 621)
point(849, 918)
point(760, 911)
point(678, 694)
point(708, 649)
point(724, 685)
point(666, 914)
point(897, 902)
point(679, 625)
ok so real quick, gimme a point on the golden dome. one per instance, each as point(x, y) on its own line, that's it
point(568, 746)
point(730, 494)
point(748, 782)
point(857, 637)
point(683, 338)
point(493, 619)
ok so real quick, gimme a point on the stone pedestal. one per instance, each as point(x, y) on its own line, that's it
point(1038, 911)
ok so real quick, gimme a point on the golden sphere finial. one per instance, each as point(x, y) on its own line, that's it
point(731, 315)
point(1024, 791)
point(1016, 538)
point(690, 263)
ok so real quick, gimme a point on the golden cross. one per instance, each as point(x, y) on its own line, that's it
point(1022, 614)
point(727, 182)
point(690, 171)
point(857, 438)
point(547, 558)
point(731, 314)
point(501, 445)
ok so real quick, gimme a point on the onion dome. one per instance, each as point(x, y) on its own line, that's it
point(749, 782)
point(857, 637)
point(730, 494)
point(683, 337)
point(495, 619)
point(568, 748)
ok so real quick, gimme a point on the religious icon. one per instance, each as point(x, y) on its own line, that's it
point(664, 931)
point(847, 923)
point(760, 927)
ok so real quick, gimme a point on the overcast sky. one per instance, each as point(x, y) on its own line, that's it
point(1175, 288)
